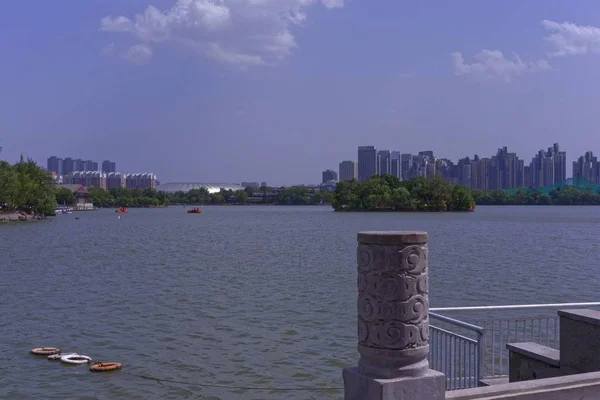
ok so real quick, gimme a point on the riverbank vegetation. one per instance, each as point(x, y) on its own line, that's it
point(128, 198)
point(152, 198)
point(388, 193)
point(26, 188)
point(569, 196)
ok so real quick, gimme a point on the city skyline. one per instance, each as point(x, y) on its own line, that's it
point(504, 170)
point(260, 84)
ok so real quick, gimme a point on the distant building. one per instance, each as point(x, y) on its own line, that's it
point(114, 180)
point(384, 162)
point(82, 196)
point(54, 165)
point(263, 184)
point(329, 176)
point(87, 179)
point(68, 166)
point(109, 166)
point(548, 168)
point(89, 165)
point(405, 165)
point(588, 167)
point(396, 164)
point(367, 162)
point(140, 181)
point(348, 171)
point(251, 185)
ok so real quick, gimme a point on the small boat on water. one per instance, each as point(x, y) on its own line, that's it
point(122, 210)
point(194, 211)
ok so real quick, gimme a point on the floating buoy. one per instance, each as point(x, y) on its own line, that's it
point(75, 359)
point(45, 351)
point(104, 367)
point(57, 357)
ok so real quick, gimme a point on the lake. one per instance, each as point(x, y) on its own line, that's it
point(239, 301)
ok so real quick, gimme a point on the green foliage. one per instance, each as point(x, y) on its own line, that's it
point(65, 197)
point(26, 187)
point(389, 193)
point(128, 198)
point(565, 195)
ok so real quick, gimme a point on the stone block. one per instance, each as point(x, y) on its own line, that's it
point(430, 386)
point(579, 341)
point(530, 360)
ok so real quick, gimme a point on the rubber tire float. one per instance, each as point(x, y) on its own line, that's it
point(57, 357)
point(75, 359)
point(45, 351)
point(105, 367)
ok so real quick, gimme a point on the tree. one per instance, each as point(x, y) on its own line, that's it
point(65, 196)
point(241, 196)
point(9, 186)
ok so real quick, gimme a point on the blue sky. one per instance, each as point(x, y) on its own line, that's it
point(279, 90)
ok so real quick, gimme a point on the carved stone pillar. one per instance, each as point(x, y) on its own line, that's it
point(393, 320)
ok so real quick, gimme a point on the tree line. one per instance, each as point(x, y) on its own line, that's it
point(568, 196)
point(390, 193)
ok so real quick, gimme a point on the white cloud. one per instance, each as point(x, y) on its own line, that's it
point(569, 39)
point(138, 54)
point(491, 64)
point(241, 32)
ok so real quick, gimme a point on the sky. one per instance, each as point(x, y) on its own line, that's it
point(280, 90)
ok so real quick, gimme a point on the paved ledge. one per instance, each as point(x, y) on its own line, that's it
point(536, 351)
point(580, 387)
point(583, 315)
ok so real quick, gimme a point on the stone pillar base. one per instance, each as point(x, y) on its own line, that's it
point(431, 386)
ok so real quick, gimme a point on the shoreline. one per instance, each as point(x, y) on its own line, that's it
point(19, 217)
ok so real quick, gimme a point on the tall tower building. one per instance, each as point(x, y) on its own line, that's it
point(348, 170)
point(367, 162)
point(384, 162)
point(55, 165)
point(329, 175)
point(109, 166)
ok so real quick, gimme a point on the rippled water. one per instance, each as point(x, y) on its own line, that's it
point(249, 297)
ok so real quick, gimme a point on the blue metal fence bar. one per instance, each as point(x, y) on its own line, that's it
point(457, 355)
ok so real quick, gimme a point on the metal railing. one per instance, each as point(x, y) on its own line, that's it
point(453, 341)
point(456, 354)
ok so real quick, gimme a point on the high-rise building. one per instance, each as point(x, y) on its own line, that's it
point(548, 168)
point(68, 166)
point(384, 162)
point(88, 179)
point(505, 171)
point(329, 175)
point(109, 166)
point(114, 180)
point(348, 170)
point(140, 181)
point(587, 167)
point(396, 165)
point(367, 162)
point(77, 165)
point(405, 165)
point(54, 165)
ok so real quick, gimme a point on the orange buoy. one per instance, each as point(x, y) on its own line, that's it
point(45, 351)
point(104, 367)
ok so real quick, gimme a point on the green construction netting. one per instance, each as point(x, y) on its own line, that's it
point(578, 182)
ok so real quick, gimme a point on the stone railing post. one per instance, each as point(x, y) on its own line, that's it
point(393, 321)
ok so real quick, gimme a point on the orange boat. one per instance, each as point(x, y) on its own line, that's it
point(195, 211)
point(122, 210)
